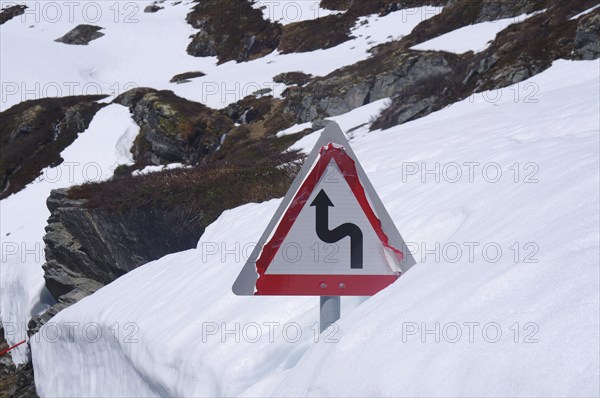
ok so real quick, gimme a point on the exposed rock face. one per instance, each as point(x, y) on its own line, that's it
point(88, 248)
point(293, 78)
point(587, 38)
point(381, 7)
point(419, 100)
point(15, 381)
point(320, 33)
point(98, 232)
point(33, 133)
point(231, 30)
point(234, 30)
point(339, 5)
point(249, 109)
point(185, 77)
point(332, 30)
point(81, 35)
point(8, 376)
point(376, 78)
point(10, 12)
point(461, 13)
point(492, 10)
point(173, 129)
point(152, 8)
point(422, 82)
point(25, 385)
point(527, 48)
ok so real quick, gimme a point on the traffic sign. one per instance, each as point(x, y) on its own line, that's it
point(330, 236)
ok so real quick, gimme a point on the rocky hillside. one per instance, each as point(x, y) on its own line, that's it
point(33, 134)
point(422, 82)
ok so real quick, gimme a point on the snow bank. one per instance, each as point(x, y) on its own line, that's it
point(92, 157)
point(290, 11)
point(584, 12)
point(474, 38)
point(155, 169)
point(201, 311)
point(135, 51)
point(524, 299)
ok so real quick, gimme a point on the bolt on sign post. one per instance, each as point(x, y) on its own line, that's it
point(330, 237)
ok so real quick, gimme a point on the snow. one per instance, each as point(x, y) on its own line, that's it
point(177, 317)
point(166, 328)
point(135, 51)
point(291, 11)
point(154, 169)
point(474, 38)
point(231, 81)
point(92, 157)
point(584, 12)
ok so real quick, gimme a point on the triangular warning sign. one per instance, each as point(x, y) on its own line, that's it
point(331, 235)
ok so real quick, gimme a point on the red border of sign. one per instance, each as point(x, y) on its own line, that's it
point(323, 285)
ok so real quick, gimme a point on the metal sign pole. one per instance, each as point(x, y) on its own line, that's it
point(329, 311)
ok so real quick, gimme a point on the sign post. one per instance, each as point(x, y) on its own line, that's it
point(329, 309)
point(331, 235)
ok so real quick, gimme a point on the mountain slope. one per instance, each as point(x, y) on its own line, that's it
point(213, 89)
point(117, 62)
point(173, 314)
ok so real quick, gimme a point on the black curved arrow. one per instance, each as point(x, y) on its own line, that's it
point(322, 204)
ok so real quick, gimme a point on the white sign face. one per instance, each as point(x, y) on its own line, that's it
point(330, 236)
point(304, 252)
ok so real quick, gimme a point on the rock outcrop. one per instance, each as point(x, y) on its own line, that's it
point(249, 109)
point(98, 232)
point(81, 35)
point(332, 30)
point(152, 8)
point(15, 380)
point(586, 44)
point(33, 133)
point(235, 30)
point(87, 248)
point(383, 76)
point(462, 13)
point(421, 82)
point(320, 33)
point(293, 78)
point(529, 47)
point(12, 11)
point(173, 129)
point(231, 30)
point(185, 77)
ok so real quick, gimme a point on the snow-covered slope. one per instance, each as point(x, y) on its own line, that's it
point(217, 89)
point(500, 201)
point(135, 51)
point(474, 38)
point(290, 11)
point(92, 157)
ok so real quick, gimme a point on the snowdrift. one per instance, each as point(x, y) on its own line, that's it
point(498, 195)
point(111, 65)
